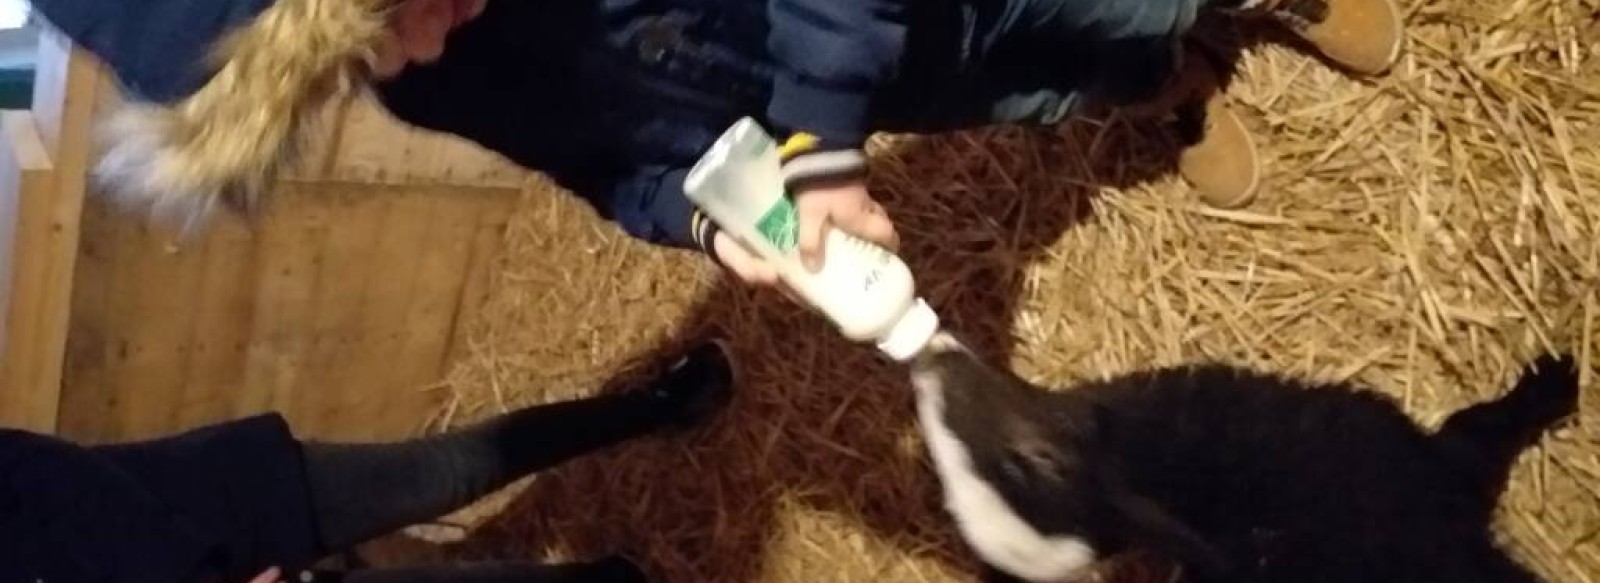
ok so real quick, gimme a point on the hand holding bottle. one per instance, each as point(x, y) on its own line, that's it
point(848, 207)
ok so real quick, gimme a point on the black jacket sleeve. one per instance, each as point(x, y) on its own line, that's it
point(220, 503)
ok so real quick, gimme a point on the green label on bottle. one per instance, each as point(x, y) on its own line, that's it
point(780, 226)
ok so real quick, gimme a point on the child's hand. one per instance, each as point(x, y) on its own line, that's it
point(418, 29)
point(744, 264)
point(749, 268)
point(846, 207)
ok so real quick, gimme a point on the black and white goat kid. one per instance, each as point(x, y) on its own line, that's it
point(1237, 476)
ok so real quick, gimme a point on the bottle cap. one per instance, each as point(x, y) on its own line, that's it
point(911, 334)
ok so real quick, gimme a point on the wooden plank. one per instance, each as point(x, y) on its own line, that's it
point(349, 281)
point(383, 306)
point(392, 324)
point(224, 318)
point(335, 310)
point(370, 146)
point(134, 317)
point(366, 353)
point(25, 170)
point(291, 243)
point(87, 404)
point(27, 188)
point(44, 240)
point(493, 216)
point(158, 331)
point(440, 273)
point(152, 314)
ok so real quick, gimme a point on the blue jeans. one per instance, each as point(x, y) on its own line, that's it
point(966, 62)
point(1038, 61)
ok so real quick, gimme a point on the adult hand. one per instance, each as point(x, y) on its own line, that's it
point(417, 31)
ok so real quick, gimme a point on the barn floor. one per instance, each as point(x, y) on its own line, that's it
point(1424, 233)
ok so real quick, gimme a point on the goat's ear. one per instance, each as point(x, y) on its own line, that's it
point(1145, 524)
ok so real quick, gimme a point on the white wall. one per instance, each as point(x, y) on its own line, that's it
point(19, 40)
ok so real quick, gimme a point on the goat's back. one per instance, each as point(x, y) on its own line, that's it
point(1298, 482)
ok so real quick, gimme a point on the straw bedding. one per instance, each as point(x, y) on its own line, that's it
point(1425, 233)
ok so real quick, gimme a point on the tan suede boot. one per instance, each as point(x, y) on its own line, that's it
point(1223, 166)
point(1219, 158)
point(1364, 36)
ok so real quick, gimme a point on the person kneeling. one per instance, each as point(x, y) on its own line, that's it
point(245, 498)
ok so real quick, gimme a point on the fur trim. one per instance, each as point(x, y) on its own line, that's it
point(226, 142)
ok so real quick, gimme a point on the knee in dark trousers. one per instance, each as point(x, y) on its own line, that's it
point(1122, 51)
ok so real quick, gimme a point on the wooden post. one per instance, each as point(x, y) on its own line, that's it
point(43, 175)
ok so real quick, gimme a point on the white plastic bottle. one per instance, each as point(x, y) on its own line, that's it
point(866, 291)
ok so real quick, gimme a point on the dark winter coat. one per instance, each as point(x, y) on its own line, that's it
point(197, 508)
point(615, 99)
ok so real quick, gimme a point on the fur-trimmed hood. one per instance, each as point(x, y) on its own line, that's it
point(225, 142)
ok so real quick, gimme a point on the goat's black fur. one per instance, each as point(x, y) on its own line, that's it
point(1245, 477)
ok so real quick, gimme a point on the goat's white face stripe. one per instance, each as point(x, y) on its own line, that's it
point(988, 524)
